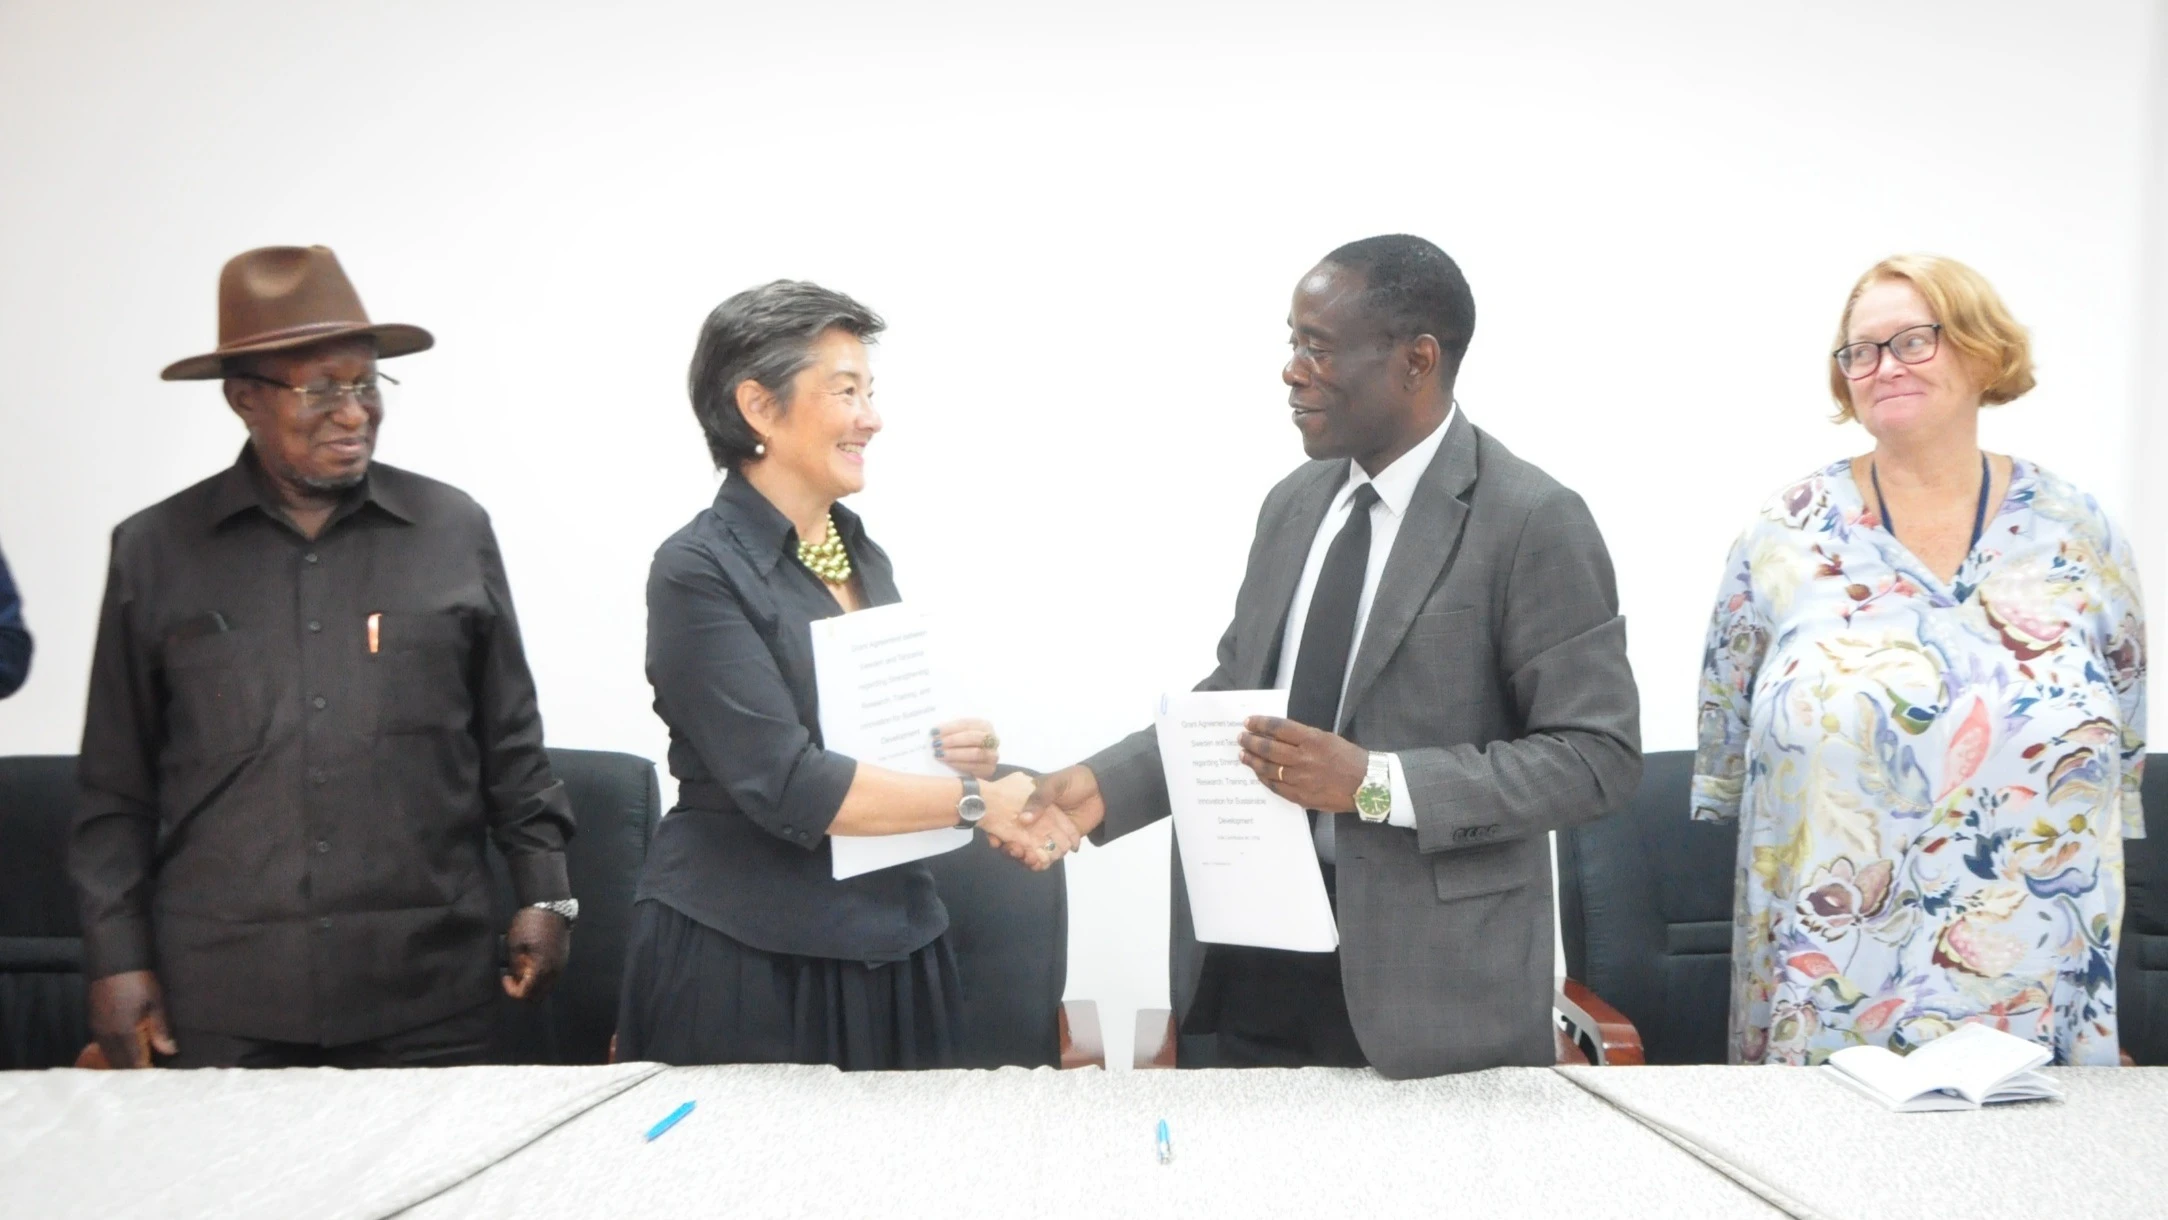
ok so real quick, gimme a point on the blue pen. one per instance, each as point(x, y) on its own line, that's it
point(1166, 1144)
point(672, 1121)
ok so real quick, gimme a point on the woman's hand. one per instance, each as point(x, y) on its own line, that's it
point(969, 747)
point(1050, 837)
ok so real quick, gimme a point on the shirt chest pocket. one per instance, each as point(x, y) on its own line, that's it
point(1447, 660)
point(423, 664)
point(217, 704)
point(1455, 624)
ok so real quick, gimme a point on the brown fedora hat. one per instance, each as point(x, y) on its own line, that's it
point(283, 297)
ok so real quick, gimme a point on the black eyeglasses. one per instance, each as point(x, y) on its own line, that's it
point(1912, 345)
point(366, 392)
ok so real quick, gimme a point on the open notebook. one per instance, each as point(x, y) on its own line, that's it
point(1970, 1067)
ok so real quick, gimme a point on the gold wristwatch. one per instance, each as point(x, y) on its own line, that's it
point(1374, 800)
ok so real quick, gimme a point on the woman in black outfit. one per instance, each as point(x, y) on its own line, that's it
point(744, 948)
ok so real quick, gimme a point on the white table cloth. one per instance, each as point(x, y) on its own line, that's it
point(801, 1142)
point(547, 1143)
point(1820, 1151)
point(312, 1142)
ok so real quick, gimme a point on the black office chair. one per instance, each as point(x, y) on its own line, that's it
point(2141, 965)
point(1645, 910)
point(1009, 927)
point(43, 1022)
point(615, 802)
point(42, 1018)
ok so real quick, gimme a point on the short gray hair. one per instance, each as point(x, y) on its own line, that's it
point(764, 335)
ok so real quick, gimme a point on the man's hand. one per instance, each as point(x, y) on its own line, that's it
point(128, 1019)
point(1073, 793)
point(1037, 845)
point(1311, 767)
point(538, 943)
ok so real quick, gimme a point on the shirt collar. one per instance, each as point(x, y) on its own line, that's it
point(766, 532)
point(1396, 483)
point(244, 486)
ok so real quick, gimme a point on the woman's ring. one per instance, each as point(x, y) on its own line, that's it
point(1052, 847)
point(992, 742)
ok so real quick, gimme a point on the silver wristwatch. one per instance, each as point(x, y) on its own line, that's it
point(971, 808)
point(567, 908)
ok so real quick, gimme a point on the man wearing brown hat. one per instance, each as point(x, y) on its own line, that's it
point(309, 704)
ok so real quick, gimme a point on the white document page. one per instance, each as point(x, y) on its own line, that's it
point(880, 698)
point(1247, 856)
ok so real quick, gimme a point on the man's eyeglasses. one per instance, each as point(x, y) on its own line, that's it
point(1912, 345)
point(327, 397)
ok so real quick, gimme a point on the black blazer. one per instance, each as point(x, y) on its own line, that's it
point(730, 655)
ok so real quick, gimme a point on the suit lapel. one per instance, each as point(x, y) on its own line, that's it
point(1264, 616)
point(1426, 544)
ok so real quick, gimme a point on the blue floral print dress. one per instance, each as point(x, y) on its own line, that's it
point(1933, 780)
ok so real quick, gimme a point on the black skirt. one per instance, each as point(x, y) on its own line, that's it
point(693, 995)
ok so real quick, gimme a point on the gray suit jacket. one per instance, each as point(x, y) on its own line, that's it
point(1494, 664)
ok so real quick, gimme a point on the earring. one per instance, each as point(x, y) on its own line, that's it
point(760, 449)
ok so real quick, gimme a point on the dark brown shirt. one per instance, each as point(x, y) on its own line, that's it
point(282, 817)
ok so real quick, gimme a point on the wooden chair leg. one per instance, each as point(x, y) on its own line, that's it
point(1082, 1045)
point(1155, 1046)
point(1570, 1053)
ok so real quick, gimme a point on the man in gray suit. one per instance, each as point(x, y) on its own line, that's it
point(1444, 619)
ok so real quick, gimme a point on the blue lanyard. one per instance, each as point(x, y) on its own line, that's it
point(1979, 515)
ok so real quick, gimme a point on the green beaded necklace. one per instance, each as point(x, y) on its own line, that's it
point(827, 560)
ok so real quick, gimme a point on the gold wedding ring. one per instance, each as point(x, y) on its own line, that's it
point(1283, 773)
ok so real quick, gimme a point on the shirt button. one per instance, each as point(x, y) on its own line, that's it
point(324, 924)
point(322, 847)
point(315, 626)
point(309, 558)
point(318, 702)
point(318, 778)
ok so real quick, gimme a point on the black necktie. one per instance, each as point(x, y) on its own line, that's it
point(1328, 631)
point(1328, 635)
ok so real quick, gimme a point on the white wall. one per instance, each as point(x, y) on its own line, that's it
point(1084, 229)
point(2150, 429)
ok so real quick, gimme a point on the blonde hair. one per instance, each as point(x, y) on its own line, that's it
point(1974, 321)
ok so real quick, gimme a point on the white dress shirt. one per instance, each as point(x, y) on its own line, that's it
point(1395, 487)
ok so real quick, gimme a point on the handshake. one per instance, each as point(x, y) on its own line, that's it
point(1037, 822)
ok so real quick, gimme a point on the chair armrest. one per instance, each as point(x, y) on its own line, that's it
point(1081, 1043)
point(1617, 1042)
point(1155, 1039)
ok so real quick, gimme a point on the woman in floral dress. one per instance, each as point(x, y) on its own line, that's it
point(1924, 699)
